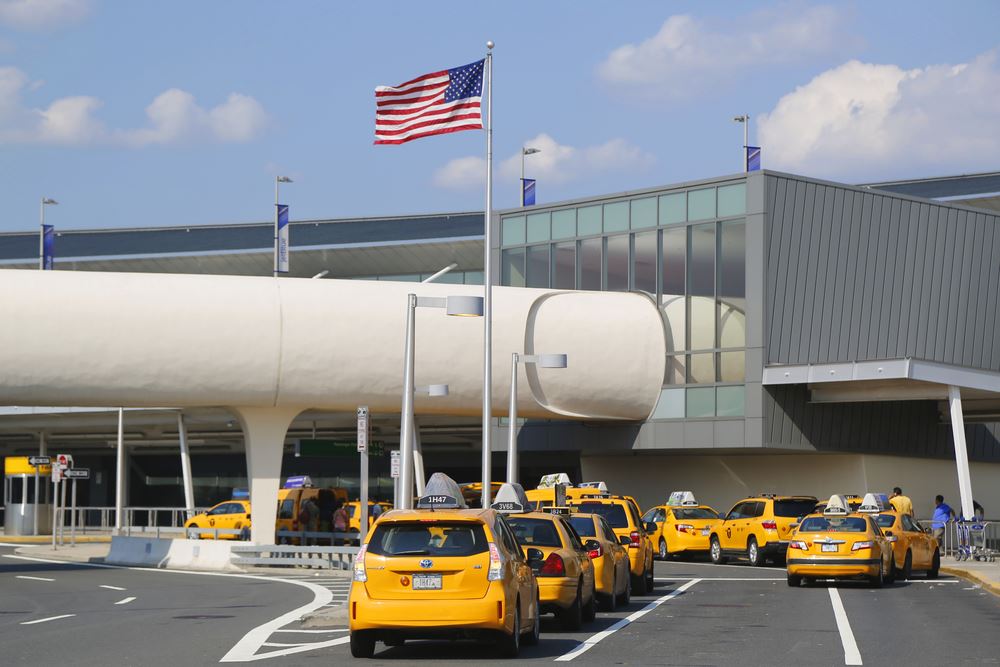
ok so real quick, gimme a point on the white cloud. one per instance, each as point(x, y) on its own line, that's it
point(861, 121)
point(686, 56)
point(42, 14)
point(174, 116)
point(556, 163)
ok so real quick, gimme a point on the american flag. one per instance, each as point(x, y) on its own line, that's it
point(435, 103)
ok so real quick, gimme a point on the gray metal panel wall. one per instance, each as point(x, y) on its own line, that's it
point(854, 275)
point(911, 428)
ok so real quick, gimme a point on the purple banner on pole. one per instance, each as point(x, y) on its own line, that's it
point(529, 191)
point(753, 158)
point(48, 246)
point(282, 238)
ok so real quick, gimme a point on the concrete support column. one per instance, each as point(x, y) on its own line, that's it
point(186, 466)
point(120, 473)
point(264, 431)
point(418, 459)
point(961, 451)
point(43, 446)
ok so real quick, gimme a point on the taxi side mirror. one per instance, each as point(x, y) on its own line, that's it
point(625, 540)
point(650, 526)
point(591, 545)
point(888, 533)
point(535, 558)
point(248, 516)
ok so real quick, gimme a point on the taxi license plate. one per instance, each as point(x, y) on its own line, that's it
point(427, 582)
point(825, 547)
point(706, 531)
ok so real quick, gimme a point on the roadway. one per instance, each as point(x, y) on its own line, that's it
point(699, 614)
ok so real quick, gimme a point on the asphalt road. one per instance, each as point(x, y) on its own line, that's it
point(699, 614)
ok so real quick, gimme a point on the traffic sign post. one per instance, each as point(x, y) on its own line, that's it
point(394, 466)
point(364, 428)
point(35, 462)
point(63, 464)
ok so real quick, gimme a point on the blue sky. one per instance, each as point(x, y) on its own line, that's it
point(175, 113)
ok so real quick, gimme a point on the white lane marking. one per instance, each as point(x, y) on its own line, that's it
point(112, 588)
point(46, 620)
point(593, 640)
point(22, 576)
point(126, 600)
point(317, 631)
point(930, 581)
point(25, 546)
point(852, 656)
point(722, 579)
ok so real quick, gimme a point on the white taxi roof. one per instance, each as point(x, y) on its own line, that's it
point(548, 481)
point(511, 499)
point(441, 492)
point(682, 499)
point(837, 506)
point(600, 486)
point(874, 503)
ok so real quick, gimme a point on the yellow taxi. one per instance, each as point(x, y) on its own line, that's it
point(231, 515)
point(442, 570)
point(557, 556)
point(839, 544)
point(473, 492)
point(353, 509)
point(683, 526)
point(758, 528)
point(555, 489)
point(622, 514)
point(913, 547)
point(612, 583)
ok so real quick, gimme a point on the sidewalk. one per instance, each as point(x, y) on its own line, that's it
point(47, 539)
point(985, 574)
point(91, 552)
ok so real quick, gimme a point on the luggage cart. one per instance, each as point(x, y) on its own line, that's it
point(973, 543)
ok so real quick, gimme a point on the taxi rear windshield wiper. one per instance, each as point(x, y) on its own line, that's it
point(415, 552)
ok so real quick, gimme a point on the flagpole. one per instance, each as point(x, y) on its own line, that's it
point(488, 284)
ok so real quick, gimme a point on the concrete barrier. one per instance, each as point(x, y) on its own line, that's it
point(171, 554)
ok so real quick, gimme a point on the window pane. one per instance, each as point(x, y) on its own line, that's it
point(564, 269)
point(643, 213)
point(644, 262)
point(512, 267)
point(590, 264)
point(730, 401)
point(675, 369)
point(674, 254)
point(701, 204)
point(670, 405)
point(538, 227)
point(732, 200)
point(537, 265)
point(616, 217)
point(701, 323)
point(731, 366)
point(473, 277)
point(701, 261)
point(701, 368)
point(402, 278)
point(588, 221)
point(732, 284)
point(674, 310)
point(512, 230)
point(564, 224)
point(701, 402)
point(673, 208)
point(617, 264)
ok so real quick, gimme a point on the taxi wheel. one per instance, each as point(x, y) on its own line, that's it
point(879, 579)
point(572, 618)
point(753, 553)
point(908, 565)
point(935, 565)
point(639, 584)
point(590, 609)
point(664, 554)
point(531, 639)
point(510, 645)
point(650, 581)
point(362, 645)
point(890, 576)
point(794, 580)
point(626, 597)
point(715, 550)
point(609, 602)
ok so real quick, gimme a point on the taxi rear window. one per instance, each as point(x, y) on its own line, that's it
point(584, 526)
point(885, 520)
point(793, 508)
point(614, 513)
point(822, 524)
point(694, 513)
point(535, 532)
point(428, 539)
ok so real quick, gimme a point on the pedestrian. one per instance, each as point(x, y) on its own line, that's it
point(340, 521)
point(899, 502)
point(943, 513)
point(376, 511)
point(311, 512)
point(978, 510)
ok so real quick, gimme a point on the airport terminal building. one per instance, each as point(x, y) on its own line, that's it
point(821, 338)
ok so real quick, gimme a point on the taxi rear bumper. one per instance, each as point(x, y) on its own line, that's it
point(688, 542)
point(418, 618)
point(833, 567)
point(556, 593)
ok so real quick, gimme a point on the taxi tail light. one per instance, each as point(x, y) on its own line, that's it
point(360, 573)
point(496, 564)
point(861, 545)
point(596, 553)
point(798, 544)
point(891, 538)
point(684, 528)
point(553, 566)
point(769, 525)
point(636, 539)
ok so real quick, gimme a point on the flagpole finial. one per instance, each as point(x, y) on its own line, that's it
point(489, 44)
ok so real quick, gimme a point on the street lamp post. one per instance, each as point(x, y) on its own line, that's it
point(543, 361)
point(460, 306)
point(526, 151)
point(277, 181)
point(41, 231)
point(745, 119)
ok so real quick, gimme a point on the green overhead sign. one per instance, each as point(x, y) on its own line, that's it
point(346, 448)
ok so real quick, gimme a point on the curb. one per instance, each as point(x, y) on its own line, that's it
point(975, 578)
point(43, 540)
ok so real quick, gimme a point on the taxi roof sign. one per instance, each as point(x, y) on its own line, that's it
point(837, 506)
point(298, 482)
point(600, 486)
point(874, 503)
point(560, 511)
point(548, 481)
point(682, 499)
point(441, 492)
point(511, 499)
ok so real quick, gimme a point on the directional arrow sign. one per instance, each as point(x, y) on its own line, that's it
point(39, 460)
point(77, 473)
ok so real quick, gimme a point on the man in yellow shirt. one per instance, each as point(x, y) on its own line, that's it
point(900, 503)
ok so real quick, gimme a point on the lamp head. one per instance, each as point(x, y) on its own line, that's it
point(437, 390)
point(46, 200)
point(552, 361)
point(465, 306)
point(284, 179)
point(531, 151)
point(740, 119)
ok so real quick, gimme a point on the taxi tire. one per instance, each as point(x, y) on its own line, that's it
point(753, 553)
point(589, 612)
point(650, 580)
point(626, 597)
point(572, 618)
point(935, 565)
point(362, 645)
point(532, 638)
point(639, 584)
point(715, 551)
point(907, 566)
point(878, 581)
point(609, 602)
point(510, 645)
point(794, 580)
point(893, 573)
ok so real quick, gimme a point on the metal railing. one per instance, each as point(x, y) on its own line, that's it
point(139, 519)
point(288, 555)
point(964, 539)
